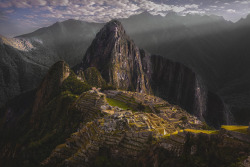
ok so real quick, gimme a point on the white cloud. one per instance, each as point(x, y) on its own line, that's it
point(59, 2)
point(38, 2)
point(245, 2)
point(21, 4)
point(105, 10)
point(231, 10)
point(194, 12)
point(97, 10)
point(193, 6)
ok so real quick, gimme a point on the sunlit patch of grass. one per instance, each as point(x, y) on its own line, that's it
point(236, 128)
point(202, 131)
point(169, 134)
point(117, 103)
point(175, 133)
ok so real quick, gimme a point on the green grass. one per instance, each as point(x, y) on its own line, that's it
point(117, 103)
point(236, 128)
point(202, 131)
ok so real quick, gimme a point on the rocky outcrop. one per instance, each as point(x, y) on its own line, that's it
point(118, 59)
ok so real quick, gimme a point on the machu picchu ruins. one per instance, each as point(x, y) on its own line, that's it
point(128, 133)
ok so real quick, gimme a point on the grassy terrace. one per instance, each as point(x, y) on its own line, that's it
point(202, 131)
point(117, 103)
point(129, 105)
point(241, 129)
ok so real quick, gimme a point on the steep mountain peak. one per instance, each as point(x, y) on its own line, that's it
point(112, 29)
point(114, 23)
point(118, 59)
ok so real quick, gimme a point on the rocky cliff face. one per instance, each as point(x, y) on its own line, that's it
point(180, 85)
point(125, 66)
point(118, 59)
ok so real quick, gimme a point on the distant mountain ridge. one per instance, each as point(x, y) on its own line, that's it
point(22, 70)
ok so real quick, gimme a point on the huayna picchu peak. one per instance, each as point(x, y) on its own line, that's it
point(118, 59)
point(121, 106)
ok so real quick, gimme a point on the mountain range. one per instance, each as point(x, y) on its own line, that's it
point(120, 106)
point(213, 48)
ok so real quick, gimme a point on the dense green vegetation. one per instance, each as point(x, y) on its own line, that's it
point(94, 77)
point(74, 85)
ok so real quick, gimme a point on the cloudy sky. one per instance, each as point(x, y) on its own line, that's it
point(23, 16)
